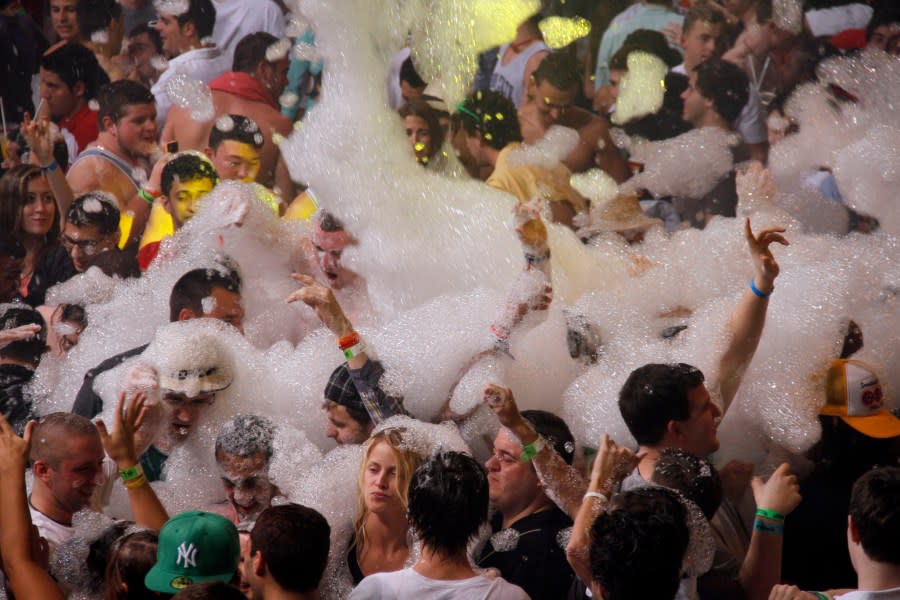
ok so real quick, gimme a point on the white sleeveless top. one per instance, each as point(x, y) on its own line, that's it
point(509, 79)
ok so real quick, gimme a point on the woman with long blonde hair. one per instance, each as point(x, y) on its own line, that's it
point(381, 541)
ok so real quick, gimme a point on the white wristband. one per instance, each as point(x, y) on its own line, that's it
point(596, 495)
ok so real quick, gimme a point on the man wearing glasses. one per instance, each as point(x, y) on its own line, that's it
point(92, 227)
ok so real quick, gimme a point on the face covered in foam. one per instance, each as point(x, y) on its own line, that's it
point(246, 483)
point(184, 413)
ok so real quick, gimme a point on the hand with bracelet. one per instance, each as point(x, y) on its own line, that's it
point(765, 266)
point(775, 499)
point(501, 401)
point(38, 134)
point(119, 443)
point(612, 464)
point(321, 299)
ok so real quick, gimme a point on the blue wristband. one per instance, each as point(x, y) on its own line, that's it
point(49, 168)
point(767, 528)
point(756, 290)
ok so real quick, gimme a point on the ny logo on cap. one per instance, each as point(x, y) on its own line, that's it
point(188, 554)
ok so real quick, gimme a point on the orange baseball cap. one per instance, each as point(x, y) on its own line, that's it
point(853, 393)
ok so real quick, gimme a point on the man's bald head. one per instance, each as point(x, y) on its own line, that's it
point(48, 440)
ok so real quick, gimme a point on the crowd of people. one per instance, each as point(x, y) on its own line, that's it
point(544, 237)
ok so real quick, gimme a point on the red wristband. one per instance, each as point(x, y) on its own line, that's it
point(348, 341)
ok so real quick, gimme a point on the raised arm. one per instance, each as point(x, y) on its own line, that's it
point(562, 483)
point(120, 447)
point(746, 324)
point(40, 139)
point(775, 499)
point(612, 464)
point(24, 574)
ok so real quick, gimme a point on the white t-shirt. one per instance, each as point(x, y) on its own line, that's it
point(204, 64)
point(891, 594)
point(751, 123)
point(410, 585)
point(55, 533)
point(236, 19)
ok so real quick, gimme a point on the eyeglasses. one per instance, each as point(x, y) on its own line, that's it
point(89, 247)
point(181, 402)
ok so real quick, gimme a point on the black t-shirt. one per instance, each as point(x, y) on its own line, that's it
point(538, 562)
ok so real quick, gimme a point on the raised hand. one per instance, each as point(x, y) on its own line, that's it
point(119, 443)
point(321, 299)
point(17, 334)
point(764, 264)
point(781, 493)
point(612, 464)
point(14, 449)
point(39, 135)
point(501, 401)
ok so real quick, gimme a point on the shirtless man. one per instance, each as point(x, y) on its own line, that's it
point(549, 97)
point(123, 148)
point(251, 89)
point(517, 60)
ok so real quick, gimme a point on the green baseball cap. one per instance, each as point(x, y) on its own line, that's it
point(194, 547)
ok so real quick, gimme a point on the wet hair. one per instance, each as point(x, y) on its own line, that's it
point(150, 31)
point(560, 70)
point(190, 290)
point(106, 219)
point(17, 315)
point(245, 131)
point(644, 40)
point(74, 313)
point(187, 167)
point(846, 451)
point(554, 430)
point(493, 116)
point(655, 394)
point(294, 542)
point(448, 483)
point(117, 263)
point(14, 197)
point(637, 546)
point(246, 435)
point(209, 590)
point(202, 14)
point(407, 462)
point(704, 12)
point(96, 15)
point(692, 476)
point(853, 340)
point(725, 84)
point(52, 430)
point(73, 63)
point(418, 107)
point(251, 51)
point(115, 98)
point(328, 222)
point(875, 514)
point(409, 74)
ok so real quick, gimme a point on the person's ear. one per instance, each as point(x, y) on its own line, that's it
point(531, 86)
point(79, 89)
point(188, 30)
point(852, 531)
point(209, 152)
point(41, 470)
point(258, 564)
point(186, 314)
point(109, 126)
point(673, 429)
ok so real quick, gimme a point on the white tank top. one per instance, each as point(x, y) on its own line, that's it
point(509, 79)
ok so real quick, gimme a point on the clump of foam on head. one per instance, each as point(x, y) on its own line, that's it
point(642, 87)
point(171, 7)
point(278, 50)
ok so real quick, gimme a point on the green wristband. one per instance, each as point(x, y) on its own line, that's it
point(821, 596)
point(529, 451)
point(145, 195)
point(769, 514)
point(131, 473)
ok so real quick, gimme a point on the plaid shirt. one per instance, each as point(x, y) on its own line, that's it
point(362, 389)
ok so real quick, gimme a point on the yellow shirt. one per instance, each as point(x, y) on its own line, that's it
point(527, 181)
